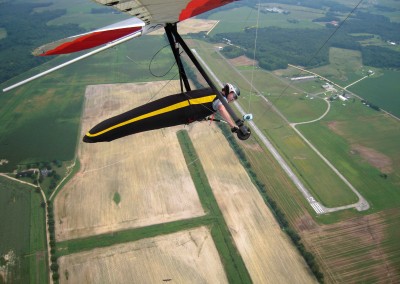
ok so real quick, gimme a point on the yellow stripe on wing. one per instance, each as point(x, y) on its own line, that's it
point(170, 108)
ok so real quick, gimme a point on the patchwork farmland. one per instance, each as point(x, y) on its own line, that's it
point(143, 180)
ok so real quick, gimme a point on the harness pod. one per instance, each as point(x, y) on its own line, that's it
point(182, 108)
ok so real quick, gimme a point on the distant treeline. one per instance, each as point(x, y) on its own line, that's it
point(329, 17)
point(329, 5)
point(27, 30)
point(276, 47)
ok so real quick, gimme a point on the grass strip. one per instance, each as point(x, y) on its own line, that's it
point(38, 266)
point(233, 263)
point(105, 240)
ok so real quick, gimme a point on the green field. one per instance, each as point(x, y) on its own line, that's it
point(78, 12)
point(3, 33)
point(310, 168)
point(40, 121)
point(337, 148)
point(382, 90)
point(359, 125)
point(236, 20)
point(22, 234)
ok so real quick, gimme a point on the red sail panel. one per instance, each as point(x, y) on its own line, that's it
point(91, 40)
point(196, 7)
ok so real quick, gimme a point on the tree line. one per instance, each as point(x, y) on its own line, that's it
point(276, 47)
point(27, 30)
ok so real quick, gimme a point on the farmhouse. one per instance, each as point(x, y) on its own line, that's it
point(328, 87)
point(45, 172)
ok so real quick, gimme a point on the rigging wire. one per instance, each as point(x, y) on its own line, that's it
point(169, 81)
point(151, 60)
point(254, 55)
point(158, 92)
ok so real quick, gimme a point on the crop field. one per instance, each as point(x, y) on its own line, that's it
point(47, 111)
point(191, 26)
point(366, 125)
point(3, 33)
point(236, 20)
point(345, 66)
point(382, 91)
point(183, 257)
point(110, 179)
point(266, 251)
point(362, 249)
point(123, 184)
point(121, 196)
point(22, 238)
point(79, 12)
point(364, 146)
point(34, 117)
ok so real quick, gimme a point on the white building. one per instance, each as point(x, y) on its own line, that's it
point(328, 87)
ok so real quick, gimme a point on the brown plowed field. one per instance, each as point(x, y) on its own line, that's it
point(183, 257)
point(358, 250)
point(147, 171)
point(268, 254)
point(150, 175)
point(243, 61)
point(191, 26)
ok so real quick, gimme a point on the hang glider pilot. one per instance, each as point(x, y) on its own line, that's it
point(230, 93)
point(178, 109)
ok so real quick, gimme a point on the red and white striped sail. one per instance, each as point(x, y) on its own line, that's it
point(149, 15)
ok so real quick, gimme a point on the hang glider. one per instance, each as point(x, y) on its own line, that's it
point(148, 15)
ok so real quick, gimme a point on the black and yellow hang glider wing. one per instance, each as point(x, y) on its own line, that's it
point(148, 15)
point(166, 112)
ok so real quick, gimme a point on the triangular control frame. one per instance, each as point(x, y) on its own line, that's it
point(174, 38)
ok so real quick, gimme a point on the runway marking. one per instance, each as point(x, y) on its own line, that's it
point(317, 208)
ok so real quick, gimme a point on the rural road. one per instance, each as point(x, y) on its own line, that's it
point(361, 205)
point(46, 215)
